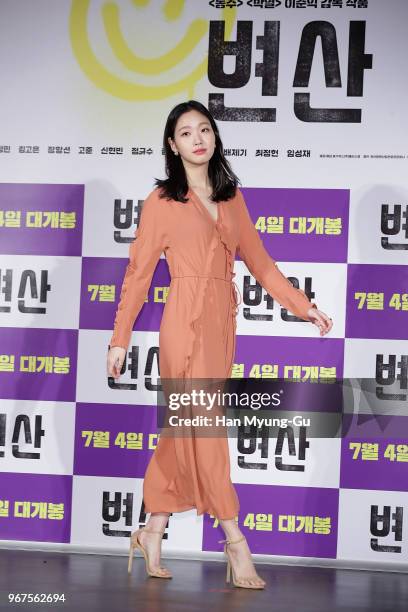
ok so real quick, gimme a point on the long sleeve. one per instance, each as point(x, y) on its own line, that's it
point(144, 253)
point(264, 268)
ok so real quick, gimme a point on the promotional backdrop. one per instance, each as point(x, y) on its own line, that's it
point(310, 99)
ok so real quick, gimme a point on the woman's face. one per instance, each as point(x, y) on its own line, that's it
point(193, 132)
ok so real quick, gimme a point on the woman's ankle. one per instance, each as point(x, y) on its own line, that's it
point(231, 529)
point(157, 521)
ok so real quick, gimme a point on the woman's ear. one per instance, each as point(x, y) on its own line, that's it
point(171, 144)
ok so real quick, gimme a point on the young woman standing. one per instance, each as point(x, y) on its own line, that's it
point(198, 217)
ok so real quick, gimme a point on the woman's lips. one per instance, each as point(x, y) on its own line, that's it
point(200, 151)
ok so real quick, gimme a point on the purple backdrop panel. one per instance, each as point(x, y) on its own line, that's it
point(114, 440)
point(384, 313)
point(374, 453)
point(97, 308)
point(39, 507)
point(45, 363)
point(318, 231)
point(286, 351)
point(303, 521)
point(41, 219)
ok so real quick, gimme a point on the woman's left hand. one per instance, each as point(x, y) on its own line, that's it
point(321, 320)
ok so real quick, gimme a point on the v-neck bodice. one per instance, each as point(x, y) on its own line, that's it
point(201, 203)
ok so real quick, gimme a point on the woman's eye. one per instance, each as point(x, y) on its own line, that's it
point(184, 133)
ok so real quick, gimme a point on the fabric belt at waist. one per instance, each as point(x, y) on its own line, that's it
point(226, 280)
point(200, 276)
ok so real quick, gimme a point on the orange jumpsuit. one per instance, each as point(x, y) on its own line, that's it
point(197, 330)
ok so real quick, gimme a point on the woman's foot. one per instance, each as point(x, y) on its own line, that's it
point(151, 542)
point(242, 564)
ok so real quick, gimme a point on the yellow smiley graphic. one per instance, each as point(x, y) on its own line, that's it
point(120, 87)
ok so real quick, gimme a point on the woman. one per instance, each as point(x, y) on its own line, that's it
point(198, 217)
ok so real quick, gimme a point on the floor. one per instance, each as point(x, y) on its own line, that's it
point(101, 582)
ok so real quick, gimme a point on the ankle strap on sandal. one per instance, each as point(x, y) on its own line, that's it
point(231, 541)
point(153, 530)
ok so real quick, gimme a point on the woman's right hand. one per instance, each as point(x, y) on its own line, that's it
point(115, 359)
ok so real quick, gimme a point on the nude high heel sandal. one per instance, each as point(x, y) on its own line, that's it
point(237, 581)
point(135, 543)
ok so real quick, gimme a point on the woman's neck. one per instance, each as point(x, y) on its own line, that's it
point(197, 178)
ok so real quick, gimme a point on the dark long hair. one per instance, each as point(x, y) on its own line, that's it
point(222, 178)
